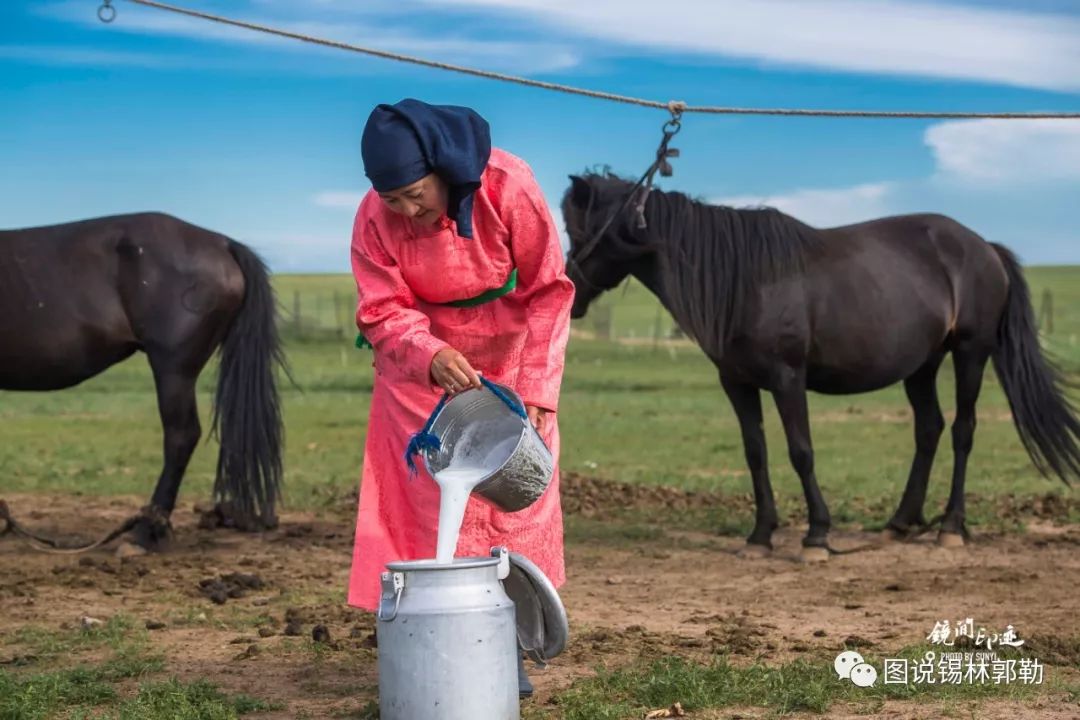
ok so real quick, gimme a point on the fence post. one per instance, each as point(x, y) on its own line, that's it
point(602, 314)
point(339, 323)
point(1046, 311)
point(296, 313)
point(656, 327)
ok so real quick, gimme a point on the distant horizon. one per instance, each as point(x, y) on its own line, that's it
point(337, 273)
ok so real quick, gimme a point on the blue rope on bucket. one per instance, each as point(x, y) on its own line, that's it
point(519, 410)
point(426, 441)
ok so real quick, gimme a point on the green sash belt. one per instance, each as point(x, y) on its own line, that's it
point(487, 295)
point(484, 297)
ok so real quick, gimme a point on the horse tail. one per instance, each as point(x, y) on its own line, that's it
point(1044, 417)
point(247, 408)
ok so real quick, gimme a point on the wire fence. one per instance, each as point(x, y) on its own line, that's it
point(622, 322)
point(312, 316)
point(315, 316)
point(307, 316)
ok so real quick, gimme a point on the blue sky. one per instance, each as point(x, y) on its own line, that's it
point(258, 137)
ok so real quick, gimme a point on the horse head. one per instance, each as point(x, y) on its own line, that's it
point(606, 244)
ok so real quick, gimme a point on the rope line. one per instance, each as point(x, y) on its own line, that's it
point(46, 545)
point(672, 106)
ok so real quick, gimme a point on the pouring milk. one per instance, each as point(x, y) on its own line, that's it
point(456, 482)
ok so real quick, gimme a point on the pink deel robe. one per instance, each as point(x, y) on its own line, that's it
point(402, 270)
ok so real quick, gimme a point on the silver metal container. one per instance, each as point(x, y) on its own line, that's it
point(447, 641)
point(477, 429)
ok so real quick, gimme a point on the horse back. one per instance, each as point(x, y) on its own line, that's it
point(931, 263)
point(877, 300)
point(78, 297)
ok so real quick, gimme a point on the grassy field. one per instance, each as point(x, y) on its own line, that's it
point(631, 411)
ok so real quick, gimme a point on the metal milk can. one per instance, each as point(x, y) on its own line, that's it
point(447, 641)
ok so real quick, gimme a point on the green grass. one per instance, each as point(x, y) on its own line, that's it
point(117, 634)
point(86, 692)
point(633, 413)
point(630, 412)
point(51, 683)
point(64, 675)
point(806, 684)
point(174, 700)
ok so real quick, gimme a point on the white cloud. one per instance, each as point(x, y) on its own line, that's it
point(891, 37)
point(825, 207)
point(504, 55)
point(345, 199)
point(308, 253)
point(72, 55)
point(1006, 151)
point(887, 37)
point(972, 158)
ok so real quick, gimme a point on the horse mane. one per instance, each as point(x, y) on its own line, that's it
point(714, 258)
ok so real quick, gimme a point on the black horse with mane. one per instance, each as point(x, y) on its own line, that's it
point(80, 297)
point(780, 306)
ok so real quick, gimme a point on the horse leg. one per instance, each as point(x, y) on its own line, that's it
point(180, 423)
point(921, 391)
point(969, 365)
point(746, 399)
point(791, 404)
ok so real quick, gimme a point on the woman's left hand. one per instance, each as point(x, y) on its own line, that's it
point(537, 416)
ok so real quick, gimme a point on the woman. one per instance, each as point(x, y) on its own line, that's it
point(459, 271)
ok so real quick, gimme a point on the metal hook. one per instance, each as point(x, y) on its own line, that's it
point(672, 126)
point(106, 13)
point(663, 154)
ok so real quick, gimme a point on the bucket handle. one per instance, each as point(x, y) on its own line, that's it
point(426, 441)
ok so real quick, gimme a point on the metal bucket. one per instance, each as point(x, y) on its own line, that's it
point(476, 428)
point(447, 641)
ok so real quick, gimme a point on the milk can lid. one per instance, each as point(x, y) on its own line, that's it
point(542, 626)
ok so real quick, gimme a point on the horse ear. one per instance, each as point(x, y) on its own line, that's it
point(580, 190)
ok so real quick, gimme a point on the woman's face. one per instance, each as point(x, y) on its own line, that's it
point(424, 201)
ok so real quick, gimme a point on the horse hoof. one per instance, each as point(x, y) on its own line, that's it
point(224, 515)
point(814, 554)
point(950, 540)
point(128, 550)
point(892, 535)
point(751, 551)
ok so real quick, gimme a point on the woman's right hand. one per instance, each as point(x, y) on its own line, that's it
point(452, 372)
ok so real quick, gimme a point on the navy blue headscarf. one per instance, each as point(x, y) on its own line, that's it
point(404, 142)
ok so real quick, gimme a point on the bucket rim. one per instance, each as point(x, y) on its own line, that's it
point(525, 427)
point(427, 564)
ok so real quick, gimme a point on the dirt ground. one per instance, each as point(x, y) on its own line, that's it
point(686, 594)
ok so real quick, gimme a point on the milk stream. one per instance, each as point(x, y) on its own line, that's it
point(455, 486)
point(456, 483)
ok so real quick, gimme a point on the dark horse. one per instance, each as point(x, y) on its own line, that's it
point(780, 306)
point(80, 297)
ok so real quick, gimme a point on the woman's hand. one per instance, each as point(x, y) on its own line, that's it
point(452, 372)
point(538, 417)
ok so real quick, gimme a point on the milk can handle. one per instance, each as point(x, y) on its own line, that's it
point(425, 440)
point(399, 587)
